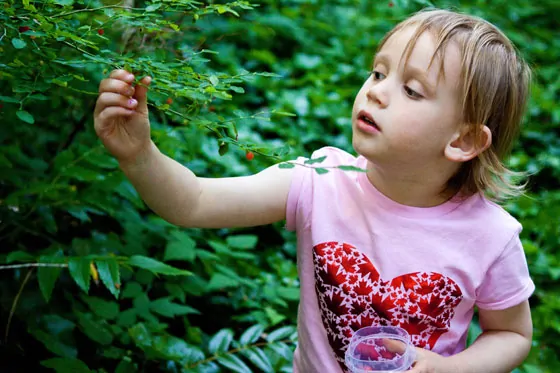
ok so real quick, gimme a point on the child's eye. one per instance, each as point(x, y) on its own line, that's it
point(412, 93)
point(377, 75)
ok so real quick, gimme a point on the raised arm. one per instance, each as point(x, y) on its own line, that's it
point(170, 189)
point(182, 198)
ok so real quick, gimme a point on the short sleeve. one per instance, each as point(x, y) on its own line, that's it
point(296, 196)
point(507, 282)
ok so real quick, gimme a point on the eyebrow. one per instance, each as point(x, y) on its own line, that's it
point(410, 72)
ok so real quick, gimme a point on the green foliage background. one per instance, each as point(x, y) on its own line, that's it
point(117, 289)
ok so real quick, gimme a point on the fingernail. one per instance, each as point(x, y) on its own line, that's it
point(132, 102)
point(130, 77)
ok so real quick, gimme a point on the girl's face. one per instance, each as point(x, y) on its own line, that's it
point(405, 116)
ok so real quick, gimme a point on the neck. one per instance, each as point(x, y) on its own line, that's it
point(417, 190)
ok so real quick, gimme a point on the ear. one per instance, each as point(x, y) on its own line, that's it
point(465, 146)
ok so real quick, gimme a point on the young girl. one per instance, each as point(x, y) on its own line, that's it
point(412, 242)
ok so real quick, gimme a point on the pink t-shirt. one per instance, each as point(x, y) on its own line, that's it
point(364, 259)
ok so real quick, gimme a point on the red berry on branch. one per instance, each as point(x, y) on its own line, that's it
point(212, 108)
point(249, 155)
point(100, 31)
point(391, 4)
point(24, 28)
point(169, 101)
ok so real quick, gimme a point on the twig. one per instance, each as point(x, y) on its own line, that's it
point(27, 265)
point(14, 305)
point(95, 10)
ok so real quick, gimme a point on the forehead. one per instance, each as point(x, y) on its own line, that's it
point(442, 68)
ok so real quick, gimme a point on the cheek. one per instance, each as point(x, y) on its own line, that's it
point(420, 130)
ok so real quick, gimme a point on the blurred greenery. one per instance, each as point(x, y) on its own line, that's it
point(100, 284)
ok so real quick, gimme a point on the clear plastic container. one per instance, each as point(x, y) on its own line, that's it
point(381, 349)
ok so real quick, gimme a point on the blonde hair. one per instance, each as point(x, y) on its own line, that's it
point(494, 85)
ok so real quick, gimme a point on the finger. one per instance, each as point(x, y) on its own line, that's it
point(394, 346)
point(116, 86)
point(123, 75)
point(108, 99)
point(141, 93)
point(110, 114)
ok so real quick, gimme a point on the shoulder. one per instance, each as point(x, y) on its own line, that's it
point(490, 218)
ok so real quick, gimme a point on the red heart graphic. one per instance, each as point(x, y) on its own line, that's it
point(352, 295)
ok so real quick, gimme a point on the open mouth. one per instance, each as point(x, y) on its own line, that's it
point(367, 119)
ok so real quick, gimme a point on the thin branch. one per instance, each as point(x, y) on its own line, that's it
point(32, 265)
point(95, 10)
point(14, 305)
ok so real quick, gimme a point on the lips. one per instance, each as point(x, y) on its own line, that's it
point(367, 120)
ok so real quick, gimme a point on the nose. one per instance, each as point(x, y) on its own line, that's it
point(378, 93)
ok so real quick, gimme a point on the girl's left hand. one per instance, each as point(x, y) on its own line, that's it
point(429, 362)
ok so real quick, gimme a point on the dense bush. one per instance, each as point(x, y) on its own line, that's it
point(91, 280)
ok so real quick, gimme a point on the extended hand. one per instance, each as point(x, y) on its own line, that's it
point(121, 115)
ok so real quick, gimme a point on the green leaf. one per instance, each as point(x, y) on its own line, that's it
point(321, 171)
point(102, 308)
point(9, 99)
point(155, 266)
point(19, 256)
point(132, 290)
point(223, 149)
point(288, 293)
point(18, 43)
point(79, 213)
point(282, 349)
point(95, 330)
point(315, 160)
point(126, 366)
point(127, 318)
point(153, 7)
point(234, 363)
point(165, 307)
point(64, 2)
point(54, 344)
point(214, 80)
point(221, 281)
point(47, 276)
point(182, 247)
point(242, 241)
point(25, 116)
point(176, 291)
point(351, 168)
point(251, 335)
point(280, 333)
point(80, 271)
point(274, 316)
point(66, 365)
point(259, 358)
point(220, 342)
point(284, 114)
point(109, 274)
point(236, 89)
point(286, 165)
